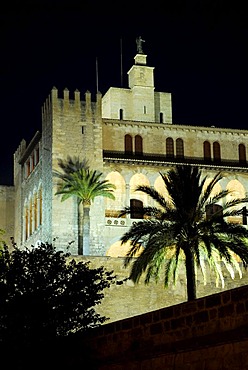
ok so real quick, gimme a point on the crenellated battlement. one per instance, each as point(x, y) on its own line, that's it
point(65, 103)
point(20, 151)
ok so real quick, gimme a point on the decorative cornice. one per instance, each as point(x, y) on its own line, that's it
point(165, 163)
point(173, 126)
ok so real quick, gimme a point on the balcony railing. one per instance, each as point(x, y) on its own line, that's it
point(156, 159)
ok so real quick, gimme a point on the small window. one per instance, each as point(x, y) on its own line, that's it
point(213, 210)
point(161, 117)
point(144, 109)
point(28, 169)
point(138, 145)
point(82, 129)
point(179, 148)
point(128, 144)
point(136, 207)
point(207, 151)
point(216, 150)
point(242, 154)
point(169, 147)
point(121, 114)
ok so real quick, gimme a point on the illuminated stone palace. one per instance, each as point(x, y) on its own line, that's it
point(129, 135)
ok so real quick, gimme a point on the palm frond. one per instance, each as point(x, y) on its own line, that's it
point(180, 226)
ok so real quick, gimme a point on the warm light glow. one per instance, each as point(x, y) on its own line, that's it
point(139, 179)
point(119, 193)
point(216, 189)
point(118, 250)
point(160, 187)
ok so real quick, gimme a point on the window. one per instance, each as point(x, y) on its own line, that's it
point(138, 145)
point(121, 114)
point(28, 171)
point(35, 212)
point(40, 207)
point(32, 161)
point(26, 222)
point(144, 109)
point(216, 151)
point(128, 144)
point(242, 154)
point(30, 211)
point(213, 210)
point(37, 155)
point(136, 207)
point(207, 151)
point(179, 148)
point(161, 117)
point(169, 147)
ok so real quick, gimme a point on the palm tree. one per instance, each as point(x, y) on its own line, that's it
point(78, 180)
point(178, 228)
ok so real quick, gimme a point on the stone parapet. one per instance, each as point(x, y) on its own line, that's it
point(208, 333)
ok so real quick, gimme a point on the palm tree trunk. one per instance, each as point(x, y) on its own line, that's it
point(190, 274)
point(80, 229)
point(86, 229)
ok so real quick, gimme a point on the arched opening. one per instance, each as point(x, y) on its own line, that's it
point(128, 144)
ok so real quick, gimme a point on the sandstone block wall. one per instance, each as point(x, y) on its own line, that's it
point(209, 333)
point(125, 300)
point(7, 216)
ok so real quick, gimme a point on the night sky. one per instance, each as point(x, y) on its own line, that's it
point(199, 50)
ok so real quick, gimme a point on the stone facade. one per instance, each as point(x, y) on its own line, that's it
point(129, 135)
point(7, 201)
point(208, 333)
point(123, 300)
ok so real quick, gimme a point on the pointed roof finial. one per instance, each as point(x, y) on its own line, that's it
point(139, 45)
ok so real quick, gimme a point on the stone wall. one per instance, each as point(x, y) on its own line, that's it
point(209, 333)
point(7, 200)
point(125, 299)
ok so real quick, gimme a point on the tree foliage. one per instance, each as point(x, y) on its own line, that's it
point(77, 180)
point(177, 230)
point(44, 295)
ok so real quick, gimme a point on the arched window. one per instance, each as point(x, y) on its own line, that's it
point(136, 207)
point(216, 150)
point(179, 148)
point(121, 114)
point(207, 151)
point(128, 144)
point(242, 154)
point(28, 168)
point(37, 155)
point(169, 147)
point(138, 145)
point(30, 218)
point(26, 213)
point(35, 212)
point(40, 207)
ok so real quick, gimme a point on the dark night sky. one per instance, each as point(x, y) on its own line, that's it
point(199, 50)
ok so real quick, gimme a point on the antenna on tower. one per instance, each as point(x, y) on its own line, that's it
point(121, 62)
point(96, 75)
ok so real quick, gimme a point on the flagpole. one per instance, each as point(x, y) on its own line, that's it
point(96, 75)
point(121, 63)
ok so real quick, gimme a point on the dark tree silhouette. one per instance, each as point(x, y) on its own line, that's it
point(46, 295)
